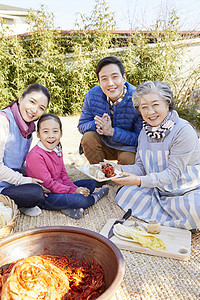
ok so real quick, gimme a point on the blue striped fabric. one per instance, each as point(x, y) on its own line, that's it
point(176, 204)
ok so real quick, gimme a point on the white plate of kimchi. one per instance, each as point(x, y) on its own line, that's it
point(99, 173)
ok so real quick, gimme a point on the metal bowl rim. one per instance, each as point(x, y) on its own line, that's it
point(121, 264)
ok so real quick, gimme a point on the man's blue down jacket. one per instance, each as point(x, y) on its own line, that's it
point(127, 121)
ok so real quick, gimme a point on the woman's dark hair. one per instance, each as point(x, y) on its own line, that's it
point(107, 61)
point(48, 117)
point(34, 87)
point(151, 87)
point(38, 88)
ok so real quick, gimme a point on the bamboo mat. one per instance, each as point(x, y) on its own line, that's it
point(146, 277)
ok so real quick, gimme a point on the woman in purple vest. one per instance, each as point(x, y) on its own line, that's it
point(16, 127)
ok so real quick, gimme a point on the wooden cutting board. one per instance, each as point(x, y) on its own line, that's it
point(177, 241)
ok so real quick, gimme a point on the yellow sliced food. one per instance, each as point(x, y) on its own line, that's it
point(140, 236)
point(35, 278)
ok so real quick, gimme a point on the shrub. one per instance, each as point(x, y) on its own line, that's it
point(66, 64)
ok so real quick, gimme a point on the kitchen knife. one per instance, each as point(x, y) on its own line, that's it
point(121, 221)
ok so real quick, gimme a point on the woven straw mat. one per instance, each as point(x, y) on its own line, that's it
point(10, 227)
point(146, 277)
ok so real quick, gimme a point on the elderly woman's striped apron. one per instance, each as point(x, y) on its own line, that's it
point(176, 204)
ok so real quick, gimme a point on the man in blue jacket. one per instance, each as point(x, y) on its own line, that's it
point(109, 123)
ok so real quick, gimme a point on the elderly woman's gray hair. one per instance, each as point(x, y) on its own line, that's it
point(153, 87)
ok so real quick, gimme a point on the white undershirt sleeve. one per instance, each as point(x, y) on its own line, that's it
point(7, 174)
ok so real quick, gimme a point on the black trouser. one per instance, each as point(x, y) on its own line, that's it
point(25, 195)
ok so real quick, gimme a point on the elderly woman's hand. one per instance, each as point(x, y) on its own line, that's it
point(127, 179)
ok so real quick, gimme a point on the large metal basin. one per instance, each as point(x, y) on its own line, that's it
point(60, 240)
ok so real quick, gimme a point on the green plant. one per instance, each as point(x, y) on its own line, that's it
point(154, 61)
point(5, 65)
point(66, 64)
point(191, 114)
point(90, 43)
point(47, 58)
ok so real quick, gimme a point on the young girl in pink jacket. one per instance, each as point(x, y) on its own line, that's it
point(45, 162)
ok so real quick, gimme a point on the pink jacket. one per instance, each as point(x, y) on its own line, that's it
point(50, 168)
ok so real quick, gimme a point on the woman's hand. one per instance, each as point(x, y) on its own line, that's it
point(38, 181)
point(127, 179)
point(82, 190)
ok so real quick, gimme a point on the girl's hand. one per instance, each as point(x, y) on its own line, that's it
point(82, 190)
point(127, 179)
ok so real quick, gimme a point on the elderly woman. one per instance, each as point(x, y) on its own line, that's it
point(164, 182)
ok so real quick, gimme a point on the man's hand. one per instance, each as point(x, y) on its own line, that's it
point(104, 125)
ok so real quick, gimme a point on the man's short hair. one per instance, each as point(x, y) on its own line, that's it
point(109, 60)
